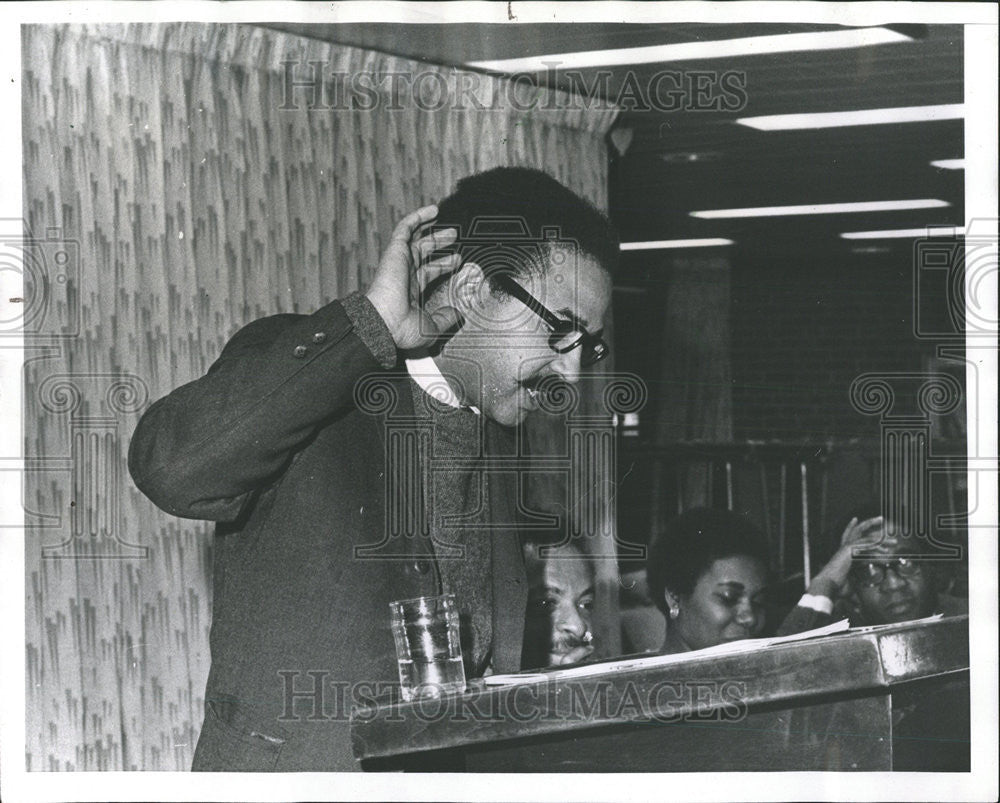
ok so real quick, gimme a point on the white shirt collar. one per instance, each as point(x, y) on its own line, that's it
point(428, 376)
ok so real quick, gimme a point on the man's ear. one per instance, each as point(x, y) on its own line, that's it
point(468, 286)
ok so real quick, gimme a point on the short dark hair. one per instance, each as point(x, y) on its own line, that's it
point(691, 542)
point(556, 538)
point(525, 207)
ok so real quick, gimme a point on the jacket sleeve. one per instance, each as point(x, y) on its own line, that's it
point(202, 451)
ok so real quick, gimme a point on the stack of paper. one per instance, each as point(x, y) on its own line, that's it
point(651, 661)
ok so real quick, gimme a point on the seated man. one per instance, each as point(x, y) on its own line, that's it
point(560, 605)
point(891, 588)
point(878, 576)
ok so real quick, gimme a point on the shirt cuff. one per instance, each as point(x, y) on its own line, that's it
point(817, 603)
point(370, 327)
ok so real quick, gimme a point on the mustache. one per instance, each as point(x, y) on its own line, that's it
point(535, 383)
point(551, 388)
point(568, 643)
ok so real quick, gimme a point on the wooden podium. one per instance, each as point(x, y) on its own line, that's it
point(893, 697)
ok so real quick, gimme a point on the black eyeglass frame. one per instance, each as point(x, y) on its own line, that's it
point(594, 346)
point(862, 570)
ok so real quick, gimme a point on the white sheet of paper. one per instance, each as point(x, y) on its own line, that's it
point(649, 661)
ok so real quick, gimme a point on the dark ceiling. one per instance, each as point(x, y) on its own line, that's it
point(656, 184)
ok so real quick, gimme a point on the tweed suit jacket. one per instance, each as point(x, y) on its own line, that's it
point(273, 445)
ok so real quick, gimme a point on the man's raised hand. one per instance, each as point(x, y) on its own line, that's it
point(832, 579)
point(403, 272)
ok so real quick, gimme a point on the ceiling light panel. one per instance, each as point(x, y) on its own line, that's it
point(690, 51)
point(652, 245)
point(821, 209)
point(902, 114)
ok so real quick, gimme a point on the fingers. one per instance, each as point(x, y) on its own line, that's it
point(864, 536)
point(409, 246)
point(430, 271)
point(424, 248)
point(408, 231)
point(401, 277)
point(855, 531)
point(846, 537)
point(408, 225)
point(434, 241)
point(868, 532)
point(442, 319)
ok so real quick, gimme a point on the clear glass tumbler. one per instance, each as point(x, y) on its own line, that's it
point(428, 646)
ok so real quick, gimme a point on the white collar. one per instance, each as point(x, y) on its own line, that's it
point(424, 371)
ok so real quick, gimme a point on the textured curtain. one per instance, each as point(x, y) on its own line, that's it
point(697, 399)
point(696, 403)
point(176, 190)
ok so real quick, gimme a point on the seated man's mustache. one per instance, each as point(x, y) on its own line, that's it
point(573, 642)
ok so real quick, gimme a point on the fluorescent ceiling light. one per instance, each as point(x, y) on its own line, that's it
point(903, 114)
point(687, 51)
point(705, 242)
point(926, 231)
point(950, 164)
point(821, 209)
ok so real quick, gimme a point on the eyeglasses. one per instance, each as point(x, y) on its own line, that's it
point(567, 334)
point(872, 574)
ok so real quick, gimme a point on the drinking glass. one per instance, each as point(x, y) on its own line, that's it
point(428, 646)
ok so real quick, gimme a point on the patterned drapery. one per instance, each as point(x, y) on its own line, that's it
point(696, 403)
point(178, 185)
